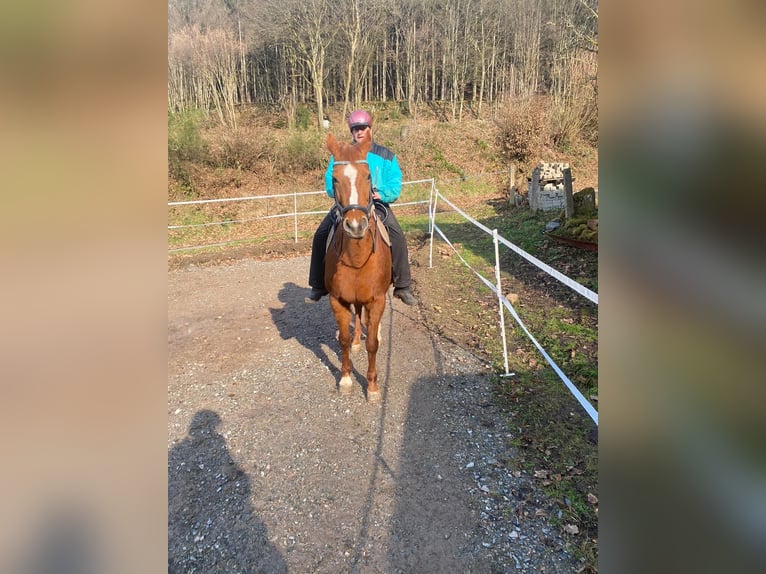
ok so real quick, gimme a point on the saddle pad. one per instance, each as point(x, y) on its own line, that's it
point(383, 231)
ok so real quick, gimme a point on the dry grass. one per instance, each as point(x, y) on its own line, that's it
point(259, 159)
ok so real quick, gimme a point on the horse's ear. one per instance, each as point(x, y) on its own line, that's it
point(332, 144)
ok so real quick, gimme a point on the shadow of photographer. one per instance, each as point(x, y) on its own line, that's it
point(212, 526)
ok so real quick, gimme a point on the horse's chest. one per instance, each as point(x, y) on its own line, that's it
point(354, 287)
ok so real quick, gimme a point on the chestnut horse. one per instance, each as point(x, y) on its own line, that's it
point(358, 261)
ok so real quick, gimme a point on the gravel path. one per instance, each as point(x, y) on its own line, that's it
point(271, 470)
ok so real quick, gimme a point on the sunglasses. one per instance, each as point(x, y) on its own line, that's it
point(358, 129)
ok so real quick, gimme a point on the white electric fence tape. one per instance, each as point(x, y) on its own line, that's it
point(574, 390)
point(581, 289)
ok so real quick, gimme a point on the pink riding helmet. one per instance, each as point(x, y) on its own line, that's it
point(359, 118)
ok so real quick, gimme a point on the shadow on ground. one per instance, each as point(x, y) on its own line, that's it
point(211, 523)
point(313, 325)
point(310, 324)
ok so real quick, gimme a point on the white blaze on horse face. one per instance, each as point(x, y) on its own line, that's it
point(350, 172)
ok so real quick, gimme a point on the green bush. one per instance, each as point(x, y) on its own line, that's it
point(301, 152)
point(302, 118)
point(185, 145)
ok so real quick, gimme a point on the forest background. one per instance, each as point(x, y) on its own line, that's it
point(467, 54)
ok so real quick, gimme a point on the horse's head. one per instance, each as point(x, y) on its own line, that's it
point(352, 186)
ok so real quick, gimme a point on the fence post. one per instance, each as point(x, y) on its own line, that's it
point(500, 300)
point(295, 214)
point(432, 221)
point(568, 193)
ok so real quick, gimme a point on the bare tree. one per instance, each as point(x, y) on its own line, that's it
point(222, 53)
point(308, 25)
point(359, 27)
point(527, 48)
point(582, 20)
point(573, 70)
point(351, 30)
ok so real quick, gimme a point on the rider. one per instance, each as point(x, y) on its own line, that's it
point(386, 187)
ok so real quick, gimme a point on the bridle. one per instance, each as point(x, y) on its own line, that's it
point(343, 209)
point(368, 210)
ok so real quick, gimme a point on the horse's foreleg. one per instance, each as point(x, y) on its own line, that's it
point(356, 343)
point(343, 318)
point(374, 315)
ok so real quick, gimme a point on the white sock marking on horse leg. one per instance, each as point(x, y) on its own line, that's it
point(350, 172)
point(345, 382)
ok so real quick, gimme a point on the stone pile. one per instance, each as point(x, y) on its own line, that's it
point(546, 187)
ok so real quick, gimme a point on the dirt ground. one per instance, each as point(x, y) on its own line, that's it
point(271, 470)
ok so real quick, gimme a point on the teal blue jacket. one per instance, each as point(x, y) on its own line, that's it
point(384, 169)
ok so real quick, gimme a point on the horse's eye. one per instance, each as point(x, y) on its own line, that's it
point(334, 180)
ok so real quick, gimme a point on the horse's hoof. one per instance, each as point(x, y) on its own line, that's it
point(345, 386)
point(373, 396)
point(356, 348)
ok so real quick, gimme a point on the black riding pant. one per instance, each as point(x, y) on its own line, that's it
point(399, 254)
